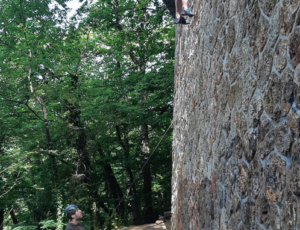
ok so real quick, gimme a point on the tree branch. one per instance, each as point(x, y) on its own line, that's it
point(83, 51)
point(119, 138)
point(23, 103)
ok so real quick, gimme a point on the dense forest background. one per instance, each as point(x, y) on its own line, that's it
point(84, 102)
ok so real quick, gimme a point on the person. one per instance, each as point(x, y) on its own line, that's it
point(182, 10)
point(73, 214)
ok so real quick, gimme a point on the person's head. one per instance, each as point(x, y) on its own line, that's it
point(73, 212)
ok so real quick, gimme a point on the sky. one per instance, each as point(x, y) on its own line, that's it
point(74, 5)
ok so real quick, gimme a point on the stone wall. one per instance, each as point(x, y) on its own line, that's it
point(236, 148)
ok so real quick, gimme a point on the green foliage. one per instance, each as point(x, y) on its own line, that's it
point(25, 228)
point(73, 98)
point(50, 224)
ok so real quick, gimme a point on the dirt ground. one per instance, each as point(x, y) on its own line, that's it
point(149, 227)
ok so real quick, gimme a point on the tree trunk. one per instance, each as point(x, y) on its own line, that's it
point(13, 217)
point(47, 131)
point(170, 4)
point(49, 142)
point(94, 215)
point(1, 218)
point(147, 191)
point(83, 162)
point(40, 101)
point(83, 171)
point(113, 183)
point(100, 203)
point(136, 199)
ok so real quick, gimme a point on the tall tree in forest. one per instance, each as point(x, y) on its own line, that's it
point(134, 43)
point(28, 33)
point(83, 105)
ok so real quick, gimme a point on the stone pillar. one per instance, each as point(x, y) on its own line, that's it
point(236, 145)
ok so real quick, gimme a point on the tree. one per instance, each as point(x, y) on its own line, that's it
point(130, 38)
point(82, 107)
point(28, 29)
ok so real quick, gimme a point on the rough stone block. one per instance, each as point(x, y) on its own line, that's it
point(249, 84)
point(280, 55)
point(294, 121)
point(265, 67)
point(230, 35)
point(248, 213)
point(262, 30)
point(275, 176)
point(235, 97)
point(250, 143)
point(294, 47)
point(236, 151)
point(262, 209)
point(256, 180)
point(232, 225)
point(242, 25)
point(253, 23)
point(255, 109)
point(294, 170)
point(268, 6)
point(288, 12)
point(223, 220)
point(289, 212)
point(265, 125)
point(243, 179)
point(283, 138)
point(272, 98)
